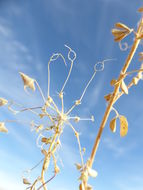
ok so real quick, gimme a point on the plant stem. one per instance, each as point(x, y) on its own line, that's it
point(111, 103)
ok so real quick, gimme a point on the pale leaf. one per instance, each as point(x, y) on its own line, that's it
point(92, 173)
point(123, 87)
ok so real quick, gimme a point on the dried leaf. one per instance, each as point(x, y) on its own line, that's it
point(38, 128)
point(28, 82)
point(26, 182)
point(113, 82)
point(3, 128)
point(3, 101)
point(140, 36)
point(92, 172)
point(78, 166)
point(107, 97)
point(113, 125)
point(46, 140)
point(123, 87)
point(123, 126)
point(140, 9)
point(135, 80)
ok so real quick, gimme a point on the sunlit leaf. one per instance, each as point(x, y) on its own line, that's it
point(92, 173)
point(123, 87)
point(123, 126)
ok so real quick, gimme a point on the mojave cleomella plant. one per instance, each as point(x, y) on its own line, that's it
point(48, 136)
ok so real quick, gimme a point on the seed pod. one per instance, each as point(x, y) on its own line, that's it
point(26, 182)
point(113, 125)
point(3, 101)
point(123, 87)
point(122, 26)
point(3, 128)
point(123, 126)
point(46, 140)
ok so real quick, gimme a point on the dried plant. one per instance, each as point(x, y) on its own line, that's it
point(58, 118)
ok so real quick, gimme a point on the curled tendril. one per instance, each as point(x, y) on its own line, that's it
point(124, 46)
point(99, 66)
point(71, 52)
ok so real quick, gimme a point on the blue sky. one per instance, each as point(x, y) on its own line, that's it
point(30, 32)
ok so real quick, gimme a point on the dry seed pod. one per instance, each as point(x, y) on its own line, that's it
point(3, 128)
point(140, 10)
point(123, 87)
point(28, 82)
point(113, 82)
point(113, 125)
point(141, 56)
point(3, 101)
point(135, 80)
point(26, 182)
point(120, 33)
point(108, 97)
point(77, 119)
point(123, 126)
point(122, 26)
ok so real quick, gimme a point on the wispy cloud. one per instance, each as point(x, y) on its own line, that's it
point(115, 146)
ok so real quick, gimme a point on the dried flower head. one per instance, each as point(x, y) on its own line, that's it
point(28, 82)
